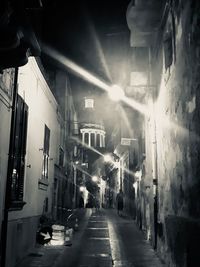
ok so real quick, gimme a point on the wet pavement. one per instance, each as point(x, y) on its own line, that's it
point(103, 240)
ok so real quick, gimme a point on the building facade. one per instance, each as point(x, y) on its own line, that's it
point(34, 176)
point(168, 179)
point(92, 135)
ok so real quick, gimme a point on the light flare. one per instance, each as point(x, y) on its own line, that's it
point(116, 93)
point(86, 75)
point(94, 178)
point(86, 145)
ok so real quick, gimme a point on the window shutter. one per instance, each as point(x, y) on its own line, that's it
point(24, 122)
point(19, 152)
point(46, 140)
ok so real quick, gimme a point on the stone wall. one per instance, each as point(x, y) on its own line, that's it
point(178, 146)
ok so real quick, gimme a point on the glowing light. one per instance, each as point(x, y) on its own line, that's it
point(107, 158)
point(116, 93)
point(138, 174)
point(117, 164)
point(99, 49)
point(94, 178)
point(82, 188)
point(81, 72)
point(86, 75)
point(135, 186)
point(86, 145)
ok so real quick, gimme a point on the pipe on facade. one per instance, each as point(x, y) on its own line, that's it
point(154, 147)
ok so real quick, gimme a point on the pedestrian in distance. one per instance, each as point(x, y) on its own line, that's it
point(81, 202)
point(120, 202)
point(97, 204)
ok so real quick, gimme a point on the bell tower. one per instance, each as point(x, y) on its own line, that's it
point(92, 128)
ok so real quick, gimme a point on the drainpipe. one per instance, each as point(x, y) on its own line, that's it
point(154, 153)
point(155, 183)
point(74, 193)
point(4, 228)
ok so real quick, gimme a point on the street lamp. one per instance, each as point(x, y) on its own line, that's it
point(116, 93)
point(82, 188)
point(107, 158)
point(94, 178)
point(75, 180)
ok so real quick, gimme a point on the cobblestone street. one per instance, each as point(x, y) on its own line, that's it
point(104, 239)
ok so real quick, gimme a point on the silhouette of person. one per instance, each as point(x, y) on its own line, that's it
point(81, 202)
point(120, 202)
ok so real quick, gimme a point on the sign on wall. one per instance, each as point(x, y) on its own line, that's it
point(127, 141)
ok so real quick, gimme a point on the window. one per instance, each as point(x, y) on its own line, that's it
point(89, 103)
point(17, 157)
point(98, 140)
point(86, 138)
point(92, 139)
point(45, 164)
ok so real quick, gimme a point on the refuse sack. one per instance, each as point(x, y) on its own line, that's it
point(58, 235)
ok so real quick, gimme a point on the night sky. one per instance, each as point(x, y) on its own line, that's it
point(94, 35)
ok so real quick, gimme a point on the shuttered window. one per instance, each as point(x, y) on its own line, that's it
point(19, 152)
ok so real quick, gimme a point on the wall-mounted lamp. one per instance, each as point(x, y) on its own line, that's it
point(82, 188)
point(107, 158)
point(138, 175)
point(94, 178)
point(116, 93)
point(28, 166)
point(41, 149)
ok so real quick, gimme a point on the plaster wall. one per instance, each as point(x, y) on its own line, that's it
point(42, 110)
point(6, 87)
point(178, 147)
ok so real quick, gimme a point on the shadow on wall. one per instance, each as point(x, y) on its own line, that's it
point(183, 239)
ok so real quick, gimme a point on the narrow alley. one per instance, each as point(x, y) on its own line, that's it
point(104, 239)
point(99, 133)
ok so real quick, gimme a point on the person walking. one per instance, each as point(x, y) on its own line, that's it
point(81, 202)
point(97, 204)
point(120, 202)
